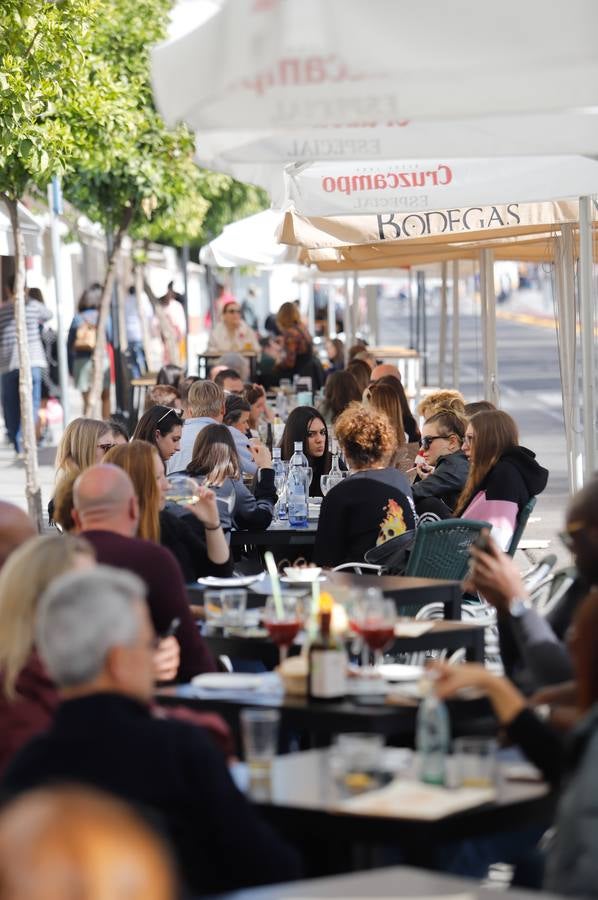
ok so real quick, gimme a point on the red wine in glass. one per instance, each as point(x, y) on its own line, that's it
point(377, 636)
point(283, 633)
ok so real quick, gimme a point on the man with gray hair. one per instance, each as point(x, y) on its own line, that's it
point(205, 406)
point(96, 640)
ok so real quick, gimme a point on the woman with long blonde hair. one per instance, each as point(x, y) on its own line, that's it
point(192, 533)
point(84, 443)
point(503, 476)
point(27, 695)
point(384, 399)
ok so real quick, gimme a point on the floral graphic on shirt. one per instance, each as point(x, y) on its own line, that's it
point(392, 524)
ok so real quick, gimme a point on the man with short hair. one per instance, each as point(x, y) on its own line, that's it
point(15, 528)
point(383, 370)
point(230, 381)
point(106, 512)
point(96, 640)
point(205, 406)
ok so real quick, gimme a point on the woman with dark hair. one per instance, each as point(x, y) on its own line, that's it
point(215, 457)
point(443, 473)
point(260, 412)
point(162, 427)
point(297, 348)
point(340, 391)
point(409, 423)
point(237, 413)
point(502, 475)
point(305, 424)
point(335, 350)
point(361, 372)
point(81, 344)
point(374, 503)
point(192, 533)
point(170, 375)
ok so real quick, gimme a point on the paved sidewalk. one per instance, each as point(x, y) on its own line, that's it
point(12, 476)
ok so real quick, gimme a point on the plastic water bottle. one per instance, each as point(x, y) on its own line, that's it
point(279, 482)
point(432, 735)
point(297, 488)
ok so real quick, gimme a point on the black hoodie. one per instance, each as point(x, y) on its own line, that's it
point(505, 490)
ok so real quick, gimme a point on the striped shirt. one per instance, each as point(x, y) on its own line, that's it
point(36, 313)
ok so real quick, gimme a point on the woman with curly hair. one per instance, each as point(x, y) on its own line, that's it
point(445, 400)
point(374, 503)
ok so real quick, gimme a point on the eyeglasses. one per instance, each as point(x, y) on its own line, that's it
point(106, 447)
point(426, 442)
point(568, 535)
point(232, 310)
point(171, 409)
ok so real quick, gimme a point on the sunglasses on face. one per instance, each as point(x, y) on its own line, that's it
point(106, 447)
point(426, 442)
point(171, 409)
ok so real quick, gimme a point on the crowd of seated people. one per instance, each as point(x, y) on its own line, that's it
point(86, 616)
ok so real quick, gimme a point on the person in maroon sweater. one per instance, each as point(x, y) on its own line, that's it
point(106, 513)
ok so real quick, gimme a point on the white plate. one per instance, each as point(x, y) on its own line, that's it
point(228, 681)
point(237, 581)
point(399, 672)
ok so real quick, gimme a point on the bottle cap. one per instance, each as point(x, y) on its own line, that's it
point(276, 452)
point(298, 445)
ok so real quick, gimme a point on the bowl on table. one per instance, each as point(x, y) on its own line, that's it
point(302, 574)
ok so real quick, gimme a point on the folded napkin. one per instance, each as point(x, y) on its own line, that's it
point(414, 800)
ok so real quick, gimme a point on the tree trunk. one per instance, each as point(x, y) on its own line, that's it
point(138, 281)
point(32, 488)
point(93, 405)
point(166, 330)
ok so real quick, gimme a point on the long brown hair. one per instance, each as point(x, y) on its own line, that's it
point(215, 456)
point(383, 398)
point(494, 432)
point(361, 373)
point(137, 459)
point(341, 390)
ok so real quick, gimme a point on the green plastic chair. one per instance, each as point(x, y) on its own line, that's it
point(522, 518)
point(441, 549)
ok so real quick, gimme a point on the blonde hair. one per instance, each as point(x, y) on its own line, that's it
point(288, 315)
point(437, 401)
point(78, 446)
point(137, 460)
point(23, 579)
point(73, 842)
point(205, 399)
point(366, 437)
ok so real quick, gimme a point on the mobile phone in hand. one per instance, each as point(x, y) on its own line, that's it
point(482, 542)
point(171, 630)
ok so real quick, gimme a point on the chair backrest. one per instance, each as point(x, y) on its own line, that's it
point(522, 518)
point(441, 549)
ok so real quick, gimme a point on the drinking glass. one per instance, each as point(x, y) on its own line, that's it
point(212, 604)
point(225, 493)
point(233, 603)
point(377, 624)
point(182, 490)
point(259, 728)
point(310, 475)
point(283, 623)
point(475, 762)
point(356, 760)
point(324, 484)
point(280, 484)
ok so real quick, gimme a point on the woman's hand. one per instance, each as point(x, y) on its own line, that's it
point(206, 507)
point(452, 679)
point(494, 574)
point(167, 657)
point(424, 470)
point(261, 455)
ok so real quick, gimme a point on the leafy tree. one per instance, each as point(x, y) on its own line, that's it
point(42, 70)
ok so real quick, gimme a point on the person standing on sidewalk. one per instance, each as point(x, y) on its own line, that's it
point(36, 314)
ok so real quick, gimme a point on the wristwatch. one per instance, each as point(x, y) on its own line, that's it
point(517, 607)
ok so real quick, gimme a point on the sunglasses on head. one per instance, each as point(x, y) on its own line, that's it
point(171, 409)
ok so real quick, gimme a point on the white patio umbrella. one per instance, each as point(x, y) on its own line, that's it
point(249, 241)
point(279, 64)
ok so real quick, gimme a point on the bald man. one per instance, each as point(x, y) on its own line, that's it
point(383, 369)
point(106, 512)
point(15, 528)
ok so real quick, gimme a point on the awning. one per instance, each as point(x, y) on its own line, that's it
point(247, 242)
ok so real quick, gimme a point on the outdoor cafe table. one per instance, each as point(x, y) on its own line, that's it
point(303, 798)
point(442, 635)
point(387, 882)
point(320, 721)
point(279, 534)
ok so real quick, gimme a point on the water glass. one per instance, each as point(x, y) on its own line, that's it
point(324, 484)
point(234, 603)
point(259, 729)
point(212, 604)
point(356, 759)
point(475, 762)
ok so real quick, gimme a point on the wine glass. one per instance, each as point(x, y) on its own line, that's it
point(324, 484)
point(225, 493)
point(377, 624)
point(283, 622)
point(182, 490)
point(309, 475)
point(280, 483)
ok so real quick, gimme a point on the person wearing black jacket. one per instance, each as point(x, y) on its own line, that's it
point(442, 475)
point(95, 638)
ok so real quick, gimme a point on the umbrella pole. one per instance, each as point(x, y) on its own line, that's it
point(456, 323)
point(488, 306)
point(331, 312)
point(442, 328)
point(587, 325)
point(347, 315)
